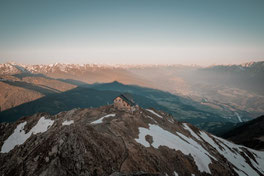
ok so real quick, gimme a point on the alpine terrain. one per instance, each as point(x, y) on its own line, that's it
point(131, 88)
point(109, 141)
point(250, 134)
point(214, 98)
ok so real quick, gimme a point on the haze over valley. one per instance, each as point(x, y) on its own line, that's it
point(212, 96)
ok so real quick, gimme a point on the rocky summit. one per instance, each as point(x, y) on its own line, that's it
point(107, 141)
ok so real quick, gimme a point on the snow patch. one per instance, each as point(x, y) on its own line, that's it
point(171, 120)
point(186, 127)
point(102, 118)
point(232, 153)
point(238, 117)
point(207, 139)
point(175, 173)
point(227, 117)
point(19, 136)
point(67, 122)
point(186, 145)
point(152, 119)
point(156, 114)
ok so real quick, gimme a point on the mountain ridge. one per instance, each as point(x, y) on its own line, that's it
point(250, 134)
point(105, 141)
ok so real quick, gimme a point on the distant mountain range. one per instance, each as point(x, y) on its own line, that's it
point(13, 68)
point(209, 98)
point(253, 67)
point(108, 141)
point(247, 76)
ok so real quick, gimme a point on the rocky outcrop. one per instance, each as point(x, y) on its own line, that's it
point(107, 141)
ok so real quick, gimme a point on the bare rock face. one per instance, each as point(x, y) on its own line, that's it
point(107, 141)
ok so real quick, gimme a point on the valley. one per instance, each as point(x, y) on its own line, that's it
point(197, 99)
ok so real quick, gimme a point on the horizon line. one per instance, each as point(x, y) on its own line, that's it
point(132, 65)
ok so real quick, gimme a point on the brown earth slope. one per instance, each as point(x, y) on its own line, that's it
point(16, 91)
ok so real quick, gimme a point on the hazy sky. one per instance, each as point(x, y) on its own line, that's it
point(132, 32)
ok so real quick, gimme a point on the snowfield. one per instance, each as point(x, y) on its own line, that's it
point(201, 156)
point(232, 153)
point(19, 136)
point(163, 137)
point(102, 118)
point(186, 127)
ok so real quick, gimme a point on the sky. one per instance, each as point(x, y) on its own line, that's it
point(202, 32)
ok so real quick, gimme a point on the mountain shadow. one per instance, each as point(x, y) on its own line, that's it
point(96, 95)
point(45, 90)
point(72, 81)
point(28, 74)
point(80, 97)
point(180, 107)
